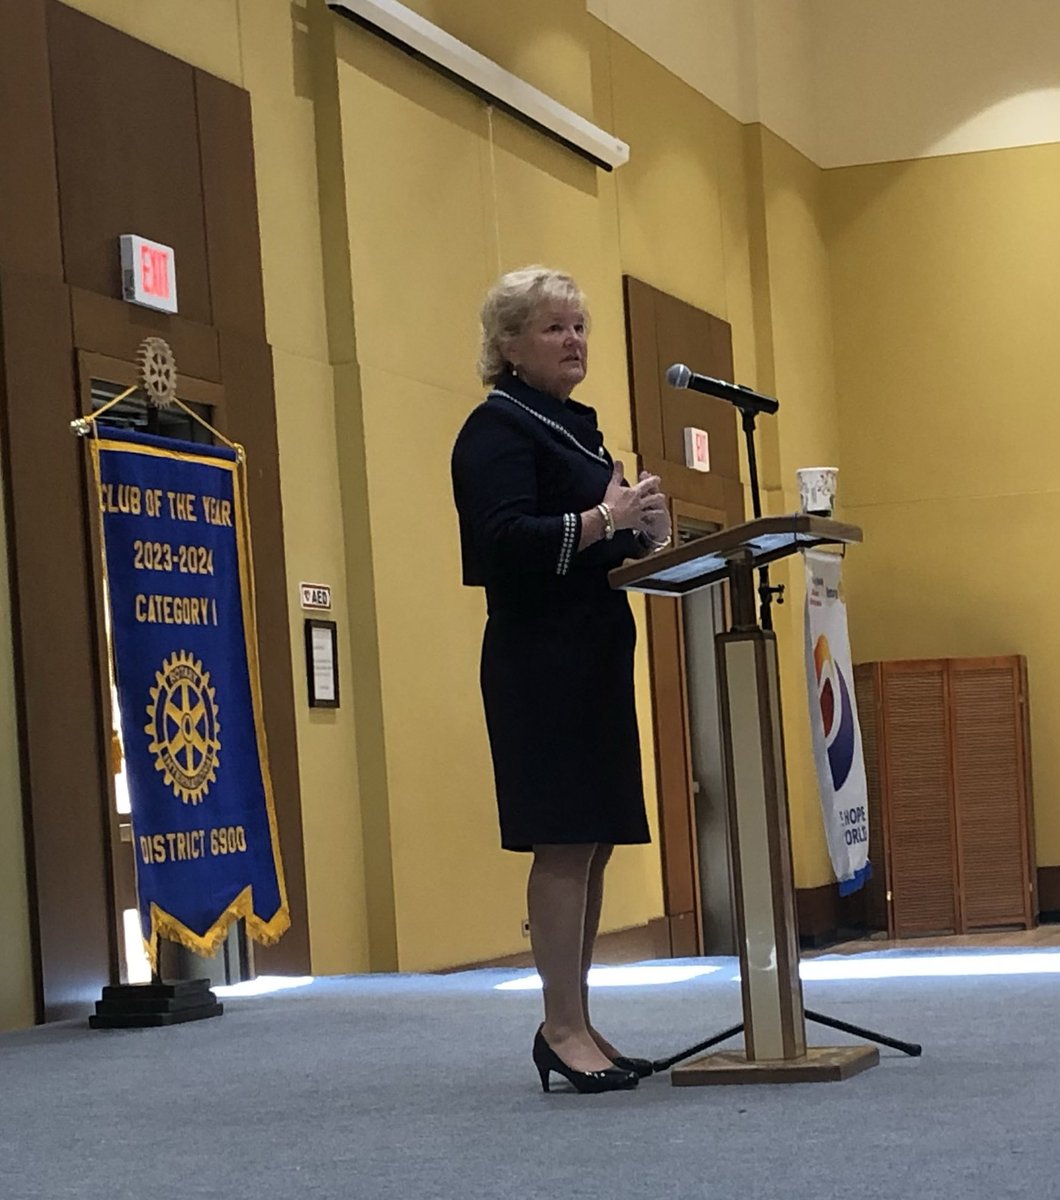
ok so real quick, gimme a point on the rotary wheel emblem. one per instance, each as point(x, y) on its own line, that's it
point(183, 727)
point(158, 371)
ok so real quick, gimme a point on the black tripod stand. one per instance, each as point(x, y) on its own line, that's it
point(766, 593)
point(913, 1049)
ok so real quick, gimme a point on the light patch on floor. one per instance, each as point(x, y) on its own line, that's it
point(631, 976)
point(930, 966)
point(263, 985)
point(915, 965)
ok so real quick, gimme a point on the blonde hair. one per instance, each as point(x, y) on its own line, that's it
point(511, 302)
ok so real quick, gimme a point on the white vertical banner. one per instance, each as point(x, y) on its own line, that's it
point(834, 722)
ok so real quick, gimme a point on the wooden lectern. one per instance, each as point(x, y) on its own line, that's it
point(756, 785)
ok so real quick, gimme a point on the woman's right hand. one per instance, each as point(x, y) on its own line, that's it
point(631, 507)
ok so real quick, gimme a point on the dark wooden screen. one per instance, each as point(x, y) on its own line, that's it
point(951, 825)
point(991, 802)
point(867, 694)
point(920, 801)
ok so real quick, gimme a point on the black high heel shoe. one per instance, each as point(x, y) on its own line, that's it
point(641, 1067)
point(612, 1079)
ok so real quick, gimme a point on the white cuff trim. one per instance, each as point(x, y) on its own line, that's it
point(566, 548)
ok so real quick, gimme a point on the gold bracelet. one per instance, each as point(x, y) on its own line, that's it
point(609, 520)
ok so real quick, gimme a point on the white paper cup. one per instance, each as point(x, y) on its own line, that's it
point(817, 489)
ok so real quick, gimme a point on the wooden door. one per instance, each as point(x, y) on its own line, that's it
point(661, 330)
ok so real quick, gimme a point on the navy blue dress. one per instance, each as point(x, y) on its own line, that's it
point(557, 655)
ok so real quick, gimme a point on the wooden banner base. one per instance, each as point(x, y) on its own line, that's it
point(820, 1064)
point(148, 1005)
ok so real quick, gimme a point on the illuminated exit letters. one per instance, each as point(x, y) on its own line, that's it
point(148, 273)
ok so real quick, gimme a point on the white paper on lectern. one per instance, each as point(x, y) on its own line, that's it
point(837, 748)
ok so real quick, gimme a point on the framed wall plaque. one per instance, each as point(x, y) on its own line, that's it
point(322, 663)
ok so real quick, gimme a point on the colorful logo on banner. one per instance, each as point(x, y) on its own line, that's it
point(184, 653)
point(837, 713)
point(183, 727)
point(834, 723)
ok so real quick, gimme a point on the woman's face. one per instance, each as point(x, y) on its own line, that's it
point(552, 352)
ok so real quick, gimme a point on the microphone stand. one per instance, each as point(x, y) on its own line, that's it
point(765, 591)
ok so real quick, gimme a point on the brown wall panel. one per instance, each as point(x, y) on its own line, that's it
point(104, 135)
point(60, 729)
point(704, 343)
point(1049, 891)
point(662, 330)
point(230, 198)
point(127, 146)
point(29, 201)
point(684, 935)
point(823, 916)
point(682, 409)
point(701, 488)
point(116, 329)
point(672, 764)
point(645, 369)
point(251, 420)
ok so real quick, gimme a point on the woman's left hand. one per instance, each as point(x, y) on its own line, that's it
point(656, 522)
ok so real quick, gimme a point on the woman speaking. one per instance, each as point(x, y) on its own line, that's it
point(544, 515)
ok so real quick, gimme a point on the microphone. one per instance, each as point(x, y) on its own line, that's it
point(745, 399)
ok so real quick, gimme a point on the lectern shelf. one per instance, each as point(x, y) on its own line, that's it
point(708, 560)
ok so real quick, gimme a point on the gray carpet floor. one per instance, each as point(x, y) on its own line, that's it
point(422, 1086)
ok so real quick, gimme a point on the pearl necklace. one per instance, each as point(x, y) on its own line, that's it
point(598, 457)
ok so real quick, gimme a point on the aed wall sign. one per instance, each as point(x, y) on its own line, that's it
point(315, 595)
point(148, 273)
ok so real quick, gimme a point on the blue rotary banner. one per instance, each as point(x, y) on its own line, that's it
point(184, 646)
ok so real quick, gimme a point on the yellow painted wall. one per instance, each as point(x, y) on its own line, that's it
point(753, 58)
point(454, 196)
point(906, 79)
point(280, 73)
point(859, 81)
point(946, 276)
